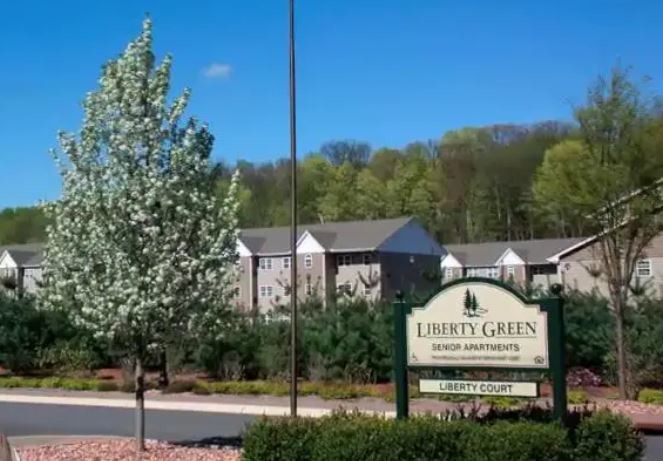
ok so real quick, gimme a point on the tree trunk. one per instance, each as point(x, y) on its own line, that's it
point(621, 356)
point(623, 369)
point(164, 378)
point(140, 406)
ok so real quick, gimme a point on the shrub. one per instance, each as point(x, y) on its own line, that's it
point(608, 437)
point(646, 348)
point(281, 439)
point(200, 389)
point(14, 382)
point(651, 396)
point(67, 357)
point(577, 397)
point(580, 377)
point(177, 387)
point(350, 437)
point(30, 337)
point(589, 330)
point(501, 401)
point(521, 441)
point(347, 340)
point(106, 386)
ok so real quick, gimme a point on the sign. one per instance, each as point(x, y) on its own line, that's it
point(478, 325)
point(498, 388)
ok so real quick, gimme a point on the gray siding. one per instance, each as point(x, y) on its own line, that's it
point(409, 273)
point(32, 277)
point(278, 278)
point(364, 276)
point(582, 270)
point(246, 289)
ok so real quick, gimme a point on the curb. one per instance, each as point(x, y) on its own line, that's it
point(253, 410)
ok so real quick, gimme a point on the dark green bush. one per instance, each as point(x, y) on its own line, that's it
point(350, 437)
point(589, 330)
point(281, 439)
point(32, 338)
point(349, 341)
point(520, 441)
point(645, 330)
point(608, 437)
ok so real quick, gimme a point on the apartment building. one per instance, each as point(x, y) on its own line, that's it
point(370, 259)
point(21, 267)
point(523, 262)
point(579, 267)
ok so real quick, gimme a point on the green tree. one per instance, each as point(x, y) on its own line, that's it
point(560, 193)
point(355, 153)
point(613, 189)
point(338, 203)
point(372, 201)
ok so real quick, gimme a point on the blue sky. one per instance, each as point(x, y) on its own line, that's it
point(384, 71)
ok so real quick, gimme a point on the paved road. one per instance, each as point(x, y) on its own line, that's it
point(19, 419)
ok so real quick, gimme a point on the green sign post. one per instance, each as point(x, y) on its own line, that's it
point(480, 324)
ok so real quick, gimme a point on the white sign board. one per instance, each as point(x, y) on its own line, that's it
point(506, 388)
point(477, 324)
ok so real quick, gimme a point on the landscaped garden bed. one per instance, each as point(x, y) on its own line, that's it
point(125, 449)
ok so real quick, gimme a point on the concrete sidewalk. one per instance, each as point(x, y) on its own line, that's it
point(647, 417)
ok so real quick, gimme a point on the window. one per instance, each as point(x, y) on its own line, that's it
point(285, 262)
point(308, 289)
point(538, 270)
point(510, 271)
point(265, 264)
point(367, 290)
point(266, 291)
point(308, 261)
point(471, 272)
point(493, 272)
point(344, 288)
point(367, 259)
point(448, 273)
point(344, 260)
point(237, 292)
point(643, 268)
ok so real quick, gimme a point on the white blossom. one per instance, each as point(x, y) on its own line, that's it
point(140, 244)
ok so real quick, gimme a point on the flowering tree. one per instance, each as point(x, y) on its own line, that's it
point(140, 244)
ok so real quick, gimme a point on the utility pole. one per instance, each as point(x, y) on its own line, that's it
point(293, 219)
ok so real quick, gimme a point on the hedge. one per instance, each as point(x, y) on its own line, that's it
point(602, 436)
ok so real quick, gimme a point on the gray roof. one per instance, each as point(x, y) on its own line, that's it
point(530, 251)
point(26, 254)
point(333, 236)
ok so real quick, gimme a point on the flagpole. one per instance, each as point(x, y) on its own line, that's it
point(293, 219)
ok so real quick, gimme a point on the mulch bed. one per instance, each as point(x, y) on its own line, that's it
point(122, 450)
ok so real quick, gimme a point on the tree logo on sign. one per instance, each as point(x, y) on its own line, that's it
point(471, 307)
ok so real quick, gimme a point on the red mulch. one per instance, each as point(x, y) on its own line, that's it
point(122, 450)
